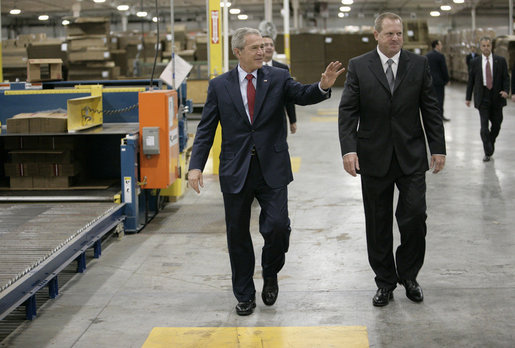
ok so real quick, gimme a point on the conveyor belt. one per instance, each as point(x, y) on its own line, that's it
point(33, 236)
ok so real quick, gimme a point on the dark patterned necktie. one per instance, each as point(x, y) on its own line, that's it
point(251, 96)
point(489, 81)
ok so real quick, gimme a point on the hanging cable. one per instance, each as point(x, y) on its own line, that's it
point(157, 48)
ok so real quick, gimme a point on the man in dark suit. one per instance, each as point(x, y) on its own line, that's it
point(470, 56)
point(490, 82)
point(387, 111)
point(248, 101)
point(439, 73)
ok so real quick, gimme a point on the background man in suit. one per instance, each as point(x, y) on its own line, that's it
point(489, 79)
point(470, 56)
point(267, 60)
point(387, 103)
point(439, 73)
point(248, 101)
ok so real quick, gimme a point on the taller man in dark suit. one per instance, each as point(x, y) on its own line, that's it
point(387, 111)
point(489, 79)
point(248, 101)
point(439, 73)
point(267, 60)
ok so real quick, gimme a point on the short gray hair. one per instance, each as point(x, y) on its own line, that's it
point(378, 24)
point(238, 38)
point(486, 38)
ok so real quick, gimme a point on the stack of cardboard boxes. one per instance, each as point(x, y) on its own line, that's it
point(89, 44)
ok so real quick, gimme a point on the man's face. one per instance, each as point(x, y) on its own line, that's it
point(439, 46)
point(389, 39)
point(269, 48)
point(486, 47)
point(251, 56)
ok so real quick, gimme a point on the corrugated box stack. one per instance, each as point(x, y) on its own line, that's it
point(40, 162)
point(89, 57)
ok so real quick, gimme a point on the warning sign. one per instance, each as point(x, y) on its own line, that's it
point(215, 27)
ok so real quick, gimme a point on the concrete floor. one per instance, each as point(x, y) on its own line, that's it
point(176, 272)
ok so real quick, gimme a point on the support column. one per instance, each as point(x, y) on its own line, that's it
point(286, 19)
point(268, 11)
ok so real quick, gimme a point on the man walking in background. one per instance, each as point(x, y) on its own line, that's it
point(387, 103)
point(439, 73)
point(267, 60)
point(490, 82)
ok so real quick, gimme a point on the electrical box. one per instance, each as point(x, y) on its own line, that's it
point(150, 141)
point(159, 138)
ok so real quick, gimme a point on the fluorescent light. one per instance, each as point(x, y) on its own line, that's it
point(15, 11)
point(340, 14)
point(434, 13)
point(458, 1)
point(99, 1)
point(234, 11)
point(445, 8)
point(154, 19)
point(347, 2)
point(65, 22)
point(243, 17)
point(122, 7)
point(223, 3)
point(141, 13)
point(43, 17)
point(345, 8)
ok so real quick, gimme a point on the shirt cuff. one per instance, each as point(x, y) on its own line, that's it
point(323, 90)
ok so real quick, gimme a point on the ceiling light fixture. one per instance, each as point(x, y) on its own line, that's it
point(15, 11)
point(99, 1)
point(458, 1)
point(434, 13)
point(65, 22)
point(222, 4)
point(141, 13)
point(345, 8)
point(154, 19)
point(122, 7)
point(347, 2)
point(340, 14)
point(43, 17)
point(445, 8)
point(243, 17)
point(234, 11)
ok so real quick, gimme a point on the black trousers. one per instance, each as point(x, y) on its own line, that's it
point(274, 226)
point(411, 220)
point(440, 95)
point(489, 113)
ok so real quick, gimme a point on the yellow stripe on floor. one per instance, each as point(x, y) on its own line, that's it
point(327, 112)
point(295, 164)
point(324, 119)
point(250, 337)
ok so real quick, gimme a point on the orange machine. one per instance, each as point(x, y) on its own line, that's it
point(159, 138)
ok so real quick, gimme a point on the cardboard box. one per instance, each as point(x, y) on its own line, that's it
point(21, 182)
point(56, 143)
point(18, 143)
point(34, 66)
point(41, 156)
point(21, 169)
point(56, 169)
point(39, 122)
point(51, 182)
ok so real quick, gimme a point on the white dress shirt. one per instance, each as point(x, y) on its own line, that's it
point(490, 58)
point(242, 75)
point(384, 61)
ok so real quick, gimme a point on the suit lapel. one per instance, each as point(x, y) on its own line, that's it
point(495, 69)
point(232, 84)
point(377, 69)
point(263, 82)
point(403, 67)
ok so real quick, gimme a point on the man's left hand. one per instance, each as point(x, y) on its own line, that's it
point(437, 163)
point(504, 94)
point(330, 75)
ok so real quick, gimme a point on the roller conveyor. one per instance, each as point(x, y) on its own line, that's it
point(37, 240)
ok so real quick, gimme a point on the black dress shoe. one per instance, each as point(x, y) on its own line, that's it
point(246, 307)
point(270, 291)
point(413, 290)
point(382, 297)
point(486, 159)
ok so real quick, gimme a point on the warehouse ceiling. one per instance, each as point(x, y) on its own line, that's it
point(193, 10)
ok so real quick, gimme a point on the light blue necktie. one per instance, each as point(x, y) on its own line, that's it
point(389, 75)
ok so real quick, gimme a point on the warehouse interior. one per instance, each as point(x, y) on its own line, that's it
point(104, 244)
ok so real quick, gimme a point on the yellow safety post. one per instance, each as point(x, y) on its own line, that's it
point(215, 66)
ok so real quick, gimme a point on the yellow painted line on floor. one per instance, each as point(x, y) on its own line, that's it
point(324, 119)
point(295, 164)
point(327, 112)
point(250, 337)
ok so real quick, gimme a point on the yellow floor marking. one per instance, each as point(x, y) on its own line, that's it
point(324, 119)
point(295, 164)
point(331, 111)
point(250, 337)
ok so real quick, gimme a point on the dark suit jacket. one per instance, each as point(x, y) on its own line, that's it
point(290, 107)
point(438, 68)
point(390, 122)
point(469, 58)
point(501, 80)
point(267, 133)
